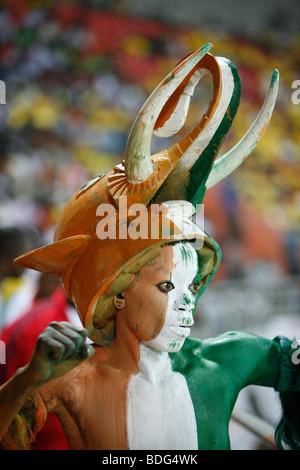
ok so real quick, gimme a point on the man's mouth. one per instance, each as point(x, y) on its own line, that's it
point(182, 330)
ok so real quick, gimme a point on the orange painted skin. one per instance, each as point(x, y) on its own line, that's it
point(91, 399)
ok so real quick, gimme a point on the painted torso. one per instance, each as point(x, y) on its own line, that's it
point(104, 407)
point(160, 413)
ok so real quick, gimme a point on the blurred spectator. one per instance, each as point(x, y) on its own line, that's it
point(17, 286)
point(47, 284)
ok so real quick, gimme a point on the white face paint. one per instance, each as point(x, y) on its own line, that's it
point(181, 301)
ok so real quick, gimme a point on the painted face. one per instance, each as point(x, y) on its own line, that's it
point(181, 290)
point(161, 301)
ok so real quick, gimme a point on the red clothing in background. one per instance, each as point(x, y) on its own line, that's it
point(20, 339)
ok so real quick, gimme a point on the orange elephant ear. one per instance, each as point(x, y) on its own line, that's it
point(54, 258)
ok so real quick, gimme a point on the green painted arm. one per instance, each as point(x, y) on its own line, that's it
point(246, 358)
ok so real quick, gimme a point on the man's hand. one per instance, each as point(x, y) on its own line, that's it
point(59, 348)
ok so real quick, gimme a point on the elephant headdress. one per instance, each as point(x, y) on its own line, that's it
point(93, 269)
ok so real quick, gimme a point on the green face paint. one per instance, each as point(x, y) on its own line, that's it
point(186, 299)
point(186, 253)
point(181, 301)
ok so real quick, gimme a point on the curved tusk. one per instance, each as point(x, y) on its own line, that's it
point(177, 118)
point(199, 148)
point(204, 133)
point(138, 162)
point(232, 159)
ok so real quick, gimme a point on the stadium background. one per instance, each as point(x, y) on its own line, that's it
point(77, 73)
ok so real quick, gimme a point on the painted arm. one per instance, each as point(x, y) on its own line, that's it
point(59, 348)
point(287, 433)
point(246, 359)
point(249, 359)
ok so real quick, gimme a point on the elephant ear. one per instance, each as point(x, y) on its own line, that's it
point(55, 258)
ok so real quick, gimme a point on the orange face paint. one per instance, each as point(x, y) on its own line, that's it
point(143, 295)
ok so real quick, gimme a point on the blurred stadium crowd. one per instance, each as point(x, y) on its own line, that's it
point(76, 76)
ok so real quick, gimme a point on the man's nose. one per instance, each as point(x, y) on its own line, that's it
point(185, 302)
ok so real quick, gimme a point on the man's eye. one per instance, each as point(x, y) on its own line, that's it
point(166, 287)
point(194, 287)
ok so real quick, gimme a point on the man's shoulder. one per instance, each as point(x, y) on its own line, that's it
point(216, 349)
